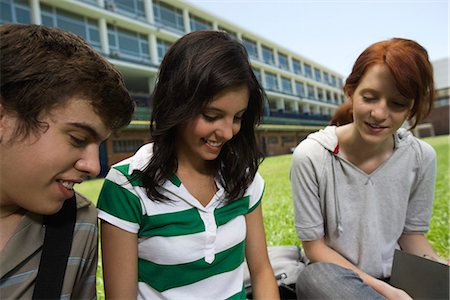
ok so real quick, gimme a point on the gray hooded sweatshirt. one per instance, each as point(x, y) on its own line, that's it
point(360, 215)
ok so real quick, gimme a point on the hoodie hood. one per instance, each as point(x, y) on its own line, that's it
point(327, 138)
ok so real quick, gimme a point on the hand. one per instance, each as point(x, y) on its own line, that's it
point(395, 293)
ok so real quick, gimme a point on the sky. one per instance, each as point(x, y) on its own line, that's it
point(334, 32)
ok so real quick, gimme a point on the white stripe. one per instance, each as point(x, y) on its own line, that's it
point(120, 180)
point(219, 286)
point(255, 190)
point(166, 250)
point(152, 208)
point(125, 225)
point(146, 292)
point(141, 158)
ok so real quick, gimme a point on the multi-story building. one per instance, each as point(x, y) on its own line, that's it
point(437, 123)
point(135, 34)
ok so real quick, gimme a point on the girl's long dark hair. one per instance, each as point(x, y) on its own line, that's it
point(198, 66)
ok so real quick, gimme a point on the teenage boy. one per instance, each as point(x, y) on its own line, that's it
point(59, 101)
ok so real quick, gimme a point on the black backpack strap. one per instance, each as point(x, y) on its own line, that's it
point(55, 251)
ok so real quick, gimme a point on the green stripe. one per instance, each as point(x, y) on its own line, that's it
point(119, 202)
point(254, 206)
point(172, 224)
point(238, 296)
point(123, 169)
point(164, 277)
point(175, 180)
point(232, 210)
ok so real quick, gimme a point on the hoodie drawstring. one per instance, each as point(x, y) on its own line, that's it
point(336, 197)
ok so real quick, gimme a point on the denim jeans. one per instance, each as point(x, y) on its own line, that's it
point(330, 281)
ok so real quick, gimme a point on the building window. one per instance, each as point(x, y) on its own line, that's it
point(128, 44)
point(120, 146)
point(163, 47)
point(300, 88)
point(199, 24)
point(286, 85)
point(271, 81)
point(310, 90)
point(308, 71)
point(257, 75)
point(333, 80)
point(131, 8)
point(326, 78)
point(317, 74)
point(289, 107)
point(283, 61)
point(272, 140)
point(272, 106)
point(80, 25)
point(252, 48)
point(296, 66)
point(141, 100)
point(17, 11)
point(320, 94)
point(328, 96)
point(93, 2)
point(268, 56)
point(167, 15)
point(287, 139)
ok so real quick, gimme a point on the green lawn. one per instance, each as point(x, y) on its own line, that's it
point(277, 202)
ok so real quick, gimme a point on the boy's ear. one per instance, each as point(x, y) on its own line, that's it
point(2, 121)
point(2, 117)
point(6, 123)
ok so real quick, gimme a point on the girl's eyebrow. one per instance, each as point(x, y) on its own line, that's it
point(213, 109)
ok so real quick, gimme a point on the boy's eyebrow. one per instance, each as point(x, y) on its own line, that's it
point(89, 129)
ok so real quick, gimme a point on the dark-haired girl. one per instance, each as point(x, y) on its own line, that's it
point(180, 216)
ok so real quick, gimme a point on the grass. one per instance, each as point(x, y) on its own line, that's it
point(277, 202)
point(439, 234)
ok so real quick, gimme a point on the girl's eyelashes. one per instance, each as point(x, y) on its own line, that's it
point(399, 106)
point(368, 98)
point(238, 119)
point(214, 117)
point(209, 117)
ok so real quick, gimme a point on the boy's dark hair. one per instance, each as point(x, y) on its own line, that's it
point(42, 68)
point(195, 69)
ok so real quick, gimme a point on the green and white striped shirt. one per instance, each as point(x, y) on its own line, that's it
point(185, 250)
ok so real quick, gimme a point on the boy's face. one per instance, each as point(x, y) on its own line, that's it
point(38, 173)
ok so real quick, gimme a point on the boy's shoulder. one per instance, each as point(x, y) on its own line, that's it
point(86, 210)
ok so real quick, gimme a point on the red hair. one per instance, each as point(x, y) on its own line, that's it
point(343, 115)
point(409, 64)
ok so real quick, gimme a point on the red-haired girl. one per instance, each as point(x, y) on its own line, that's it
point(364, 189)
